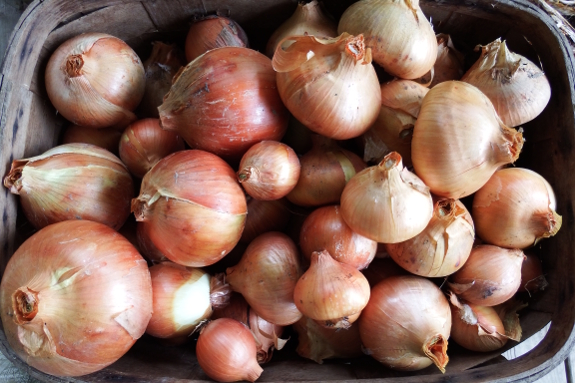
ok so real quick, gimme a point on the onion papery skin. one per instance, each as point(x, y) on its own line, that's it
point(265, 216)
point(211, 32)
point(267, 275)
point(95, 80)
point(194, 206)
point(107, 138)
point(490, 276)
point(325, 229)
point(89, 293)
point(400, 36)
point(329, 85)
point(317, 342)
point(449, 64)
point(225, 101)
point(442, 247)
point(325, 170)
point(406, 324)
point(269, 170)
point(181, 300)
point(144, 143)
point(330, 292)
point(515, 209)
point(459, 141)
point(72, 181)
point(307, 20)
point(387, 203)
point(226, 351)
point(518, 89)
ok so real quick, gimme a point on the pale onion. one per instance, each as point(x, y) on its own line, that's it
point(449, 64)
point(330, 292)
point(329, 85)
point(386, 202)
point(403, 95)
point(144, 143)
point(442, 247)
point(226, 351)
point(532, 277)
point(515, 209)
point(72, 181)
point(459, 141)
point(490, 276)
point(317, 342)
point(380, 269)
point(95, 80)
point(211, 32)
point(264, 216)
point(79, 306)
point(225, 101)
point(107, 138)
point(307, 20)
point(406, 324)
point(400, 36)
point(194, 206)
point(518, 89)
point(269, 170)
point(325, 170)
point(267, 275)
point(325, 229)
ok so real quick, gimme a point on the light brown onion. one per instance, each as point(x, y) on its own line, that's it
point(403, 95)
point(194, 206)
point(264, 216)
point(72, 181)
point(515, 209)
point(386, 202)
point(330, 292)
point(449, 64)
point(95, 80)
point(532, 277)
point(459, 141)
point(406, 324)
point(329, 85)
point(267, 275)
point(107, 138)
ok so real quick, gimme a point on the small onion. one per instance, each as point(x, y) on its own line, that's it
point(532, 277)
point(449, 64)
point(264, 216)
point(403, 95)
point(107, 138)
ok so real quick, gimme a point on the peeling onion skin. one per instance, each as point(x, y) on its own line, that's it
point(90, 295)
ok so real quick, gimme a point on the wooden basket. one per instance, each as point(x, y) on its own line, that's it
point(30, 125)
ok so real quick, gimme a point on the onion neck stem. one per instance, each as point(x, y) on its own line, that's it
point(25, 305)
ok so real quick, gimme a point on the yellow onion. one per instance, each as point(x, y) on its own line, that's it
point(515, 209)
point(449, 64)
point(459, 141)
point(406, 324)
point(490, 276)
point(194, 206)
point(442, 247)
point(107, 138)
point(267, 275)
point(147, 248)
point(386, 202)
point(317, 342)
point(264, 216)
point(95, 80)
point(532, 277)
point(329, 85)
point(330, 292)
point(518, 89)
point(307, 20)
point(400, 36)
point(72, 181)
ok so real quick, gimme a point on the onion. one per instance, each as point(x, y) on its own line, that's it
point(194, 206)
point(532, 277)
point(144, 143)
point(459, 141)
point(146, 246)
point(325, 229)
point(269, 170)
point(325, 170)
point(211, 32)
point(72, 181)
point(442, 247)
point(330, 292)
point(107, 138)
point(515, 209)
point(307, 20)
point(387, 203)
point(406, 324)
point(329, 85)
point(79, 306)
point(490, 276)
point(266, 276)
point(226, 351)
point(401, 38)
point(264, 216)
point(225, 101)
point(449, 64)
point(380, 269)
point(518, 89)
point(95, 80)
